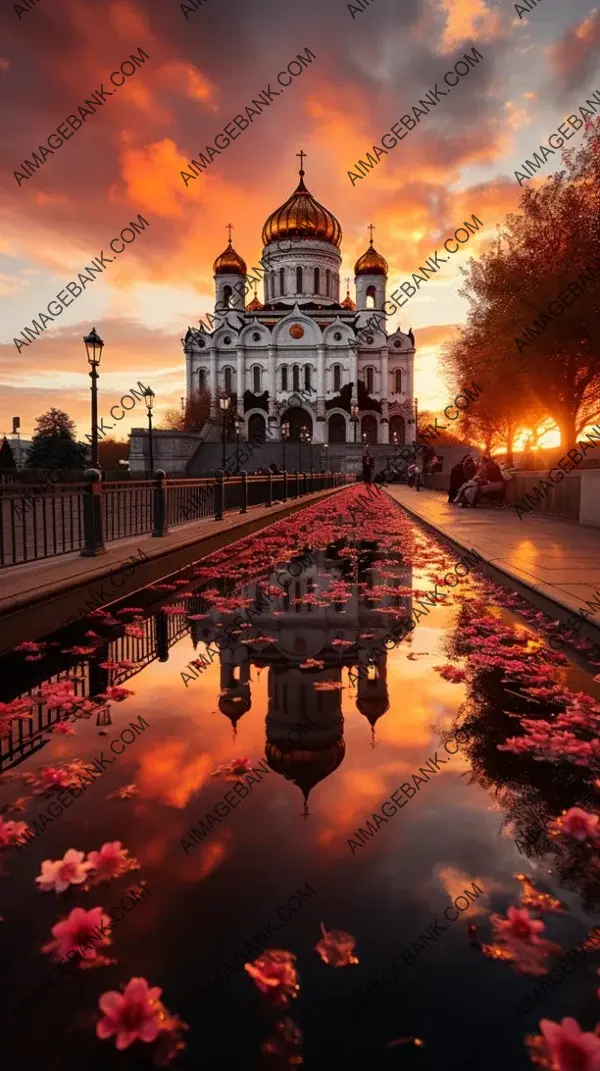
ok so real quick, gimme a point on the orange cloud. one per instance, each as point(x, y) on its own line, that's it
point(467, 20)
point(576, 51)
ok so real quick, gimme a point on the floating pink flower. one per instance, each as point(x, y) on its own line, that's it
point(578, 824)
point(336, 948)
point(134, 1014)
point(59, 874)
point(10, 832)
point(111, 861)
point(518, 925)
point(569, 1048)
point(115, 693)
point(81, 931)
point(234, 769)
point(63, 728)
point(275, 973)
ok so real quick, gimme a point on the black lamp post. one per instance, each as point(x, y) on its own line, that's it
point(224, 404)
point(93, 347)
point(238, 428)
point(302, 438)
point(149, 397)
point(354, 411)
point(324, 457)
point(285, 434)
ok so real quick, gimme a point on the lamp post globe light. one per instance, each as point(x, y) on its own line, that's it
point(324, 458)
point(354, 418)
point(149, 397)
point(93, 348)
point(285, 434)
point(224, 401)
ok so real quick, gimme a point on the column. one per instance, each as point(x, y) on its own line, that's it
point(321, 390)
point(214, 404)
point(354, 371)
point(189, 371)
point(384, 427)
point(272, 386)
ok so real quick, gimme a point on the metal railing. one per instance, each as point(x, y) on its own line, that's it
point(41, 521)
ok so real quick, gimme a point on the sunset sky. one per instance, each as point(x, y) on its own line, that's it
point(204, 70)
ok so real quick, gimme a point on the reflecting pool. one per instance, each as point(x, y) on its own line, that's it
point(299, 744)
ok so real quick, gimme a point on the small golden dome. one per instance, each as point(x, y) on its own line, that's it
point(302, 217)
point(255, 304)
point(371, 262)
point(230, 263)
point(348, 303)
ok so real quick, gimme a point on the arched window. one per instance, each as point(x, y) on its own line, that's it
point(317, 281)
point(284, 380)
point(371, 295)
point(296, 377)
point(307, 385)
point(228, 380)
point(328, 283)
point(369, 380)
point(398, 381)
point(202, 379)
point(227, 296)
point(299, 281)
point(256, 379)
point(282, 281)
point(272, 284)
point(337, 378)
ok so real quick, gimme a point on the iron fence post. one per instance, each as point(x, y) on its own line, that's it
point(285, 487)
point(160, 504)
point(244, 476)
point(92, 515)
point(219, 495)
point(270, 497)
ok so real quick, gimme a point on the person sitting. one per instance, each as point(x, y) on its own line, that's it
point(457, 478)
point(487, 480)
point(470, 467)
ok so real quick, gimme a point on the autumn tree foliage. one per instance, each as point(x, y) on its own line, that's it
point(192, 418)
point(533, 328)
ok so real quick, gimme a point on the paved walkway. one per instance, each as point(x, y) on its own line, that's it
point(558, 560)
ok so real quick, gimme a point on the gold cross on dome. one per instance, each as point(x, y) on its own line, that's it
point(371, 228)
point(229, 227)
point(301, 154)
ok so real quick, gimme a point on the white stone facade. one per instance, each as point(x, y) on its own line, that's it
point(301, 345)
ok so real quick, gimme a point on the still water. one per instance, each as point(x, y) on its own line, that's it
point(327, 723)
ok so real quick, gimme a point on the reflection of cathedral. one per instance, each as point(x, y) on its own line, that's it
point(305, 742)
point(297, 357)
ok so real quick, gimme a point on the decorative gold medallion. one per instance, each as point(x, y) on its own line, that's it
point(297, 331)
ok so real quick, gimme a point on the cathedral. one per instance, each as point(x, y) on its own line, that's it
point(303, 363)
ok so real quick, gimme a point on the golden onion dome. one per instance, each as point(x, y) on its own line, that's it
point(302, 217)
point(229, 262)
point(255, 304)
point(348, 303)
point(371, 262)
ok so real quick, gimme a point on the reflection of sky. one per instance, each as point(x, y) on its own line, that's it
point(202, 906)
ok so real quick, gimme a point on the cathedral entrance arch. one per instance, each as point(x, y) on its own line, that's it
point(297, 418)
point(337, 428)
point(397, 427)
point(368, 429)
point(256, 428)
